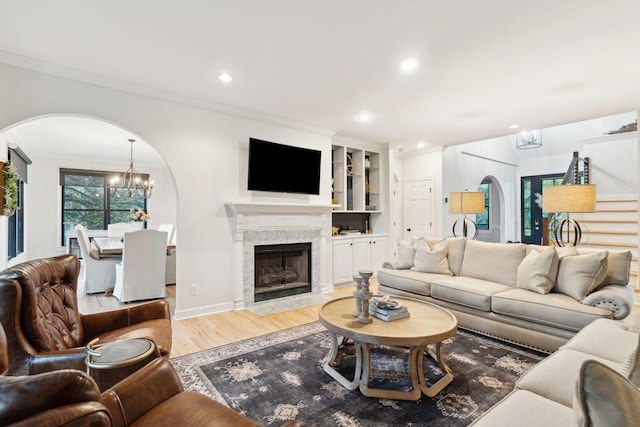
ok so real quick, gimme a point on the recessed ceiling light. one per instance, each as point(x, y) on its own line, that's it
point(420, 144)
point(409, 64)
point(364, 117)
point(514, 126)
point(225, 77)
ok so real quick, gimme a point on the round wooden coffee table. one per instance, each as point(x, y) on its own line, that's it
point(428, 325)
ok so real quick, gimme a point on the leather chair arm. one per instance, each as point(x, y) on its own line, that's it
point(99, 323)
point(76, 415)
point(72, 358)
point(22, 397)
point(141, 391)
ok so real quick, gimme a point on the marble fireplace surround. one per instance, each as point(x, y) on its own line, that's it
point(262, 223)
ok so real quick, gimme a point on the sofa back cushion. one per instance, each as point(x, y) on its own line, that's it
point(49, 314)
point(497, 262)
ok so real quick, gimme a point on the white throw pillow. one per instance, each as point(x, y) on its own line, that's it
point(432, 259)
point(537, 271)
point(406, 254)
point(579, 275)
point(94, 252)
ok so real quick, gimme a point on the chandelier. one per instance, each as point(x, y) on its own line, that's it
point(130, 183)
point(529, 139)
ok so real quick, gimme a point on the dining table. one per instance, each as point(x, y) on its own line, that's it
point(115, 245)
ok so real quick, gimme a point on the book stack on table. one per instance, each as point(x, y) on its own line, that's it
point(388, 312)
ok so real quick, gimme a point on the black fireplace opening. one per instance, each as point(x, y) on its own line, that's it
point(281, 270)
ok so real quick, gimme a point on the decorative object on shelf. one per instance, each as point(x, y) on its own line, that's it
point(466, 202)
point(566, 199)
point(335, 231)
point(528, 139)
point(365, 296)
point(130, 182)
point(357, 294)
point(351, 169)
point(138, 215)
point(10, 186)
point(631, 127)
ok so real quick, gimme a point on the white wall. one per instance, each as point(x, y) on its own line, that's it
point(205, 151)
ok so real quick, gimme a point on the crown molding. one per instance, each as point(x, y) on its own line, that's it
point(96, 79)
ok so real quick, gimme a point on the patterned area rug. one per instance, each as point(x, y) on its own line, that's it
point(278, 377)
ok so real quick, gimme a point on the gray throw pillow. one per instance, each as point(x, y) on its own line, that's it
point(603, 397)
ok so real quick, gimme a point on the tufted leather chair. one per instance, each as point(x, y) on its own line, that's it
point(152, 396)
point(44, 329)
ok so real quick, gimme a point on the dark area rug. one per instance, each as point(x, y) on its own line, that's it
point(277, 377)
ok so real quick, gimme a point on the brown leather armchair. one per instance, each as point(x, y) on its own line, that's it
point(152, 396)
point(44, 329)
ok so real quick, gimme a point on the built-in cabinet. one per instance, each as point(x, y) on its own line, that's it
point(352, 254)
point(356, 180)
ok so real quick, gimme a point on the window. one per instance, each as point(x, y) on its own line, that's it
point(482, 220)
point(86, 200)
point(15, 228)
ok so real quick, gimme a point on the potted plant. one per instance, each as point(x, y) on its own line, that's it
point(10, 185)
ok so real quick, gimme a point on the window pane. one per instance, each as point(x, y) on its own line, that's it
point(93, 220)
point(83, 197)
point(84, 180)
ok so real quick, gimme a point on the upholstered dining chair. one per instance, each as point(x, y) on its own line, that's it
point(117, 229)
point(152, 396)
point(170, 269)
point(99, 273)
point(141, 274)
point(45, 329)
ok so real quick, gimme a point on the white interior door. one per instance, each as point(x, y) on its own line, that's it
point(419, 208)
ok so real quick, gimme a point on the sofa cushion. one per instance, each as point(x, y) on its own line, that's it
point(579, 275)
point(522, 407)
point(537, 271)
point(467, 291)
point(605, 398)
point(553, 309)
point(606, 338)
point(556, 376)
point(618, 265)
point(408, 280)
point(432, 258)
point(495, 262)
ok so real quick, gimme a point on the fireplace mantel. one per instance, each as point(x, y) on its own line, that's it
point(253, 207)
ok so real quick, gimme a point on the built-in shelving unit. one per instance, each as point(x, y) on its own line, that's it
point(356, 180)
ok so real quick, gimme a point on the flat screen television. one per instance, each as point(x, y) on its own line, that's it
point(283, 168)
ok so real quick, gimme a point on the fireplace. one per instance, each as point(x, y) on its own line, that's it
point(281, 270)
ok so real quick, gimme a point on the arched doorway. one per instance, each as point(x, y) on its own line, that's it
point(491, 223)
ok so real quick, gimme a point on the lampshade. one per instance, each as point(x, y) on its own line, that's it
point(569, 198)
point(467, 202)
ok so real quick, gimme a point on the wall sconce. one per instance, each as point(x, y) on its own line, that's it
point(467, 202)
point(569, 198)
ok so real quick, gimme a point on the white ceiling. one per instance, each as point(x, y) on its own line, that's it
point(484, 65)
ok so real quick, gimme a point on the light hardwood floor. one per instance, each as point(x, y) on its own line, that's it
point(200, 333)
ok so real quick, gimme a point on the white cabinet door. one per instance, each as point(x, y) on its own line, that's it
point(378, 253)
point(361, 254)
point(342, 260)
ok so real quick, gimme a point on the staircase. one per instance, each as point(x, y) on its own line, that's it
point(614, 225)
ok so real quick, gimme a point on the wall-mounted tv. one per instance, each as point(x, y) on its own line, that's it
point(283, 168)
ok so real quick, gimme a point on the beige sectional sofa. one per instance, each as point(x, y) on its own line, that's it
point(535, 296)
point(592, 380)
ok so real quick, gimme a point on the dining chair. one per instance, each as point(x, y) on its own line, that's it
point(170, 270)
point(141, 274)
point(117, 229)
point(99, 273)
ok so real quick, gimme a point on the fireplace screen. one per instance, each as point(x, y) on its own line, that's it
point(282, 270)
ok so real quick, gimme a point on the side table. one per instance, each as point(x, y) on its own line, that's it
point(111, 363)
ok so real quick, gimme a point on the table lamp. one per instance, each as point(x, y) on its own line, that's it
point(466, 202)
point(569, 198)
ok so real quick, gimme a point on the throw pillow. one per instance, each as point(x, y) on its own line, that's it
point(456, 253)
point(432, 259)
point(537, 271)
point(406, 254)
point(566, 251)
point(603, 397)
point(579, 275)
point(94, 252)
